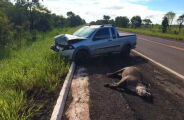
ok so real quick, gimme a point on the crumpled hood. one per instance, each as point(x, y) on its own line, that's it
point(66, 39)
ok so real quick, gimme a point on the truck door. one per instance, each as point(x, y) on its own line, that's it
point(114, 41)
point(100, 41)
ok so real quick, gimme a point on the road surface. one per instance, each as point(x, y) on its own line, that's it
point(107, 104)
point(169, 53)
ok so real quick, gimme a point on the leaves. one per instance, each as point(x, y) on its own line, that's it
point(121, 21)
point(136, 21)
point(170, 16)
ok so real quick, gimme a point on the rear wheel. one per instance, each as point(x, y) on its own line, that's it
point(81, 57)
point(125, 52)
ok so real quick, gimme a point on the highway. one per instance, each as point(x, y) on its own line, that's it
point(110, 104)
point(169, 53)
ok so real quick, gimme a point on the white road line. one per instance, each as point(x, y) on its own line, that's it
point(59, 107)
point(160, 65)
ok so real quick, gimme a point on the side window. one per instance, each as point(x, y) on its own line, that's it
point(113, 33)
point(102, 34)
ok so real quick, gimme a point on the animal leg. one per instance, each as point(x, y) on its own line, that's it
point(114, 85)
point(121, 84)
point(115, 73)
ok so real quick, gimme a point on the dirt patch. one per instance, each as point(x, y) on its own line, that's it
point(78, 108)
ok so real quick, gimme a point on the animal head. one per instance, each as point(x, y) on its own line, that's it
point(141, 91)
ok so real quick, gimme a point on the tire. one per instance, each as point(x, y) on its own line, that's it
point(125, 52)
point(81, 57)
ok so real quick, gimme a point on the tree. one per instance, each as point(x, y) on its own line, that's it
point(136, 21)
point(59, 21)
point(100, 22)
point(43, 22)
point(106, 19)
point(18, 15)
point(74, 20)
point(29, 5)
point(92, 23)
point(121, 21)
point(70, 14)
point(112, 22)
point(4, 30)
point(147, 22)
point(170, 16)
point(165, 24)
point(5, 25)
point(180, 21)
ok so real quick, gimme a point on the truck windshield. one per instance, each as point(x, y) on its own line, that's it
point(84, 32)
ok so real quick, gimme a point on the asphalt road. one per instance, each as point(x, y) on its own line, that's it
point(169, 53)
point(109, 104)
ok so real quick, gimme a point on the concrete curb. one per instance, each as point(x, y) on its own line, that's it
point(60, 104)
point(160, 65)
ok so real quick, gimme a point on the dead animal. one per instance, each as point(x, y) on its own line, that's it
point(131, 80)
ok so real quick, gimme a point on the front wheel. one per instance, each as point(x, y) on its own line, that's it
point(125, 52)
point(81, 57)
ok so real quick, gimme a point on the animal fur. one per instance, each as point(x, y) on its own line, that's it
point(131, 80)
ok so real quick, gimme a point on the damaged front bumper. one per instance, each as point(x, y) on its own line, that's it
point(66, 50)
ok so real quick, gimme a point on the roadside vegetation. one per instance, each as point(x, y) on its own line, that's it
point(157, 31)
point(144, 26)
point(29, 70)
point(27, 73)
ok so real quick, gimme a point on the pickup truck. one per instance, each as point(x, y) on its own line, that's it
point(93, 40)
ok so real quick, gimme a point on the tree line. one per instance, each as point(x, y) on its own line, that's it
point(20, 22)
point(137, 21)
point(123, 21)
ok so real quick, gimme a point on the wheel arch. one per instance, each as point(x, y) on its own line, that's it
point(129, 45)
point(125, 50)
point(82, 48)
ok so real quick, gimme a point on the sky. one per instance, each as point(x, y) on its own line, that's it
point(91, 10)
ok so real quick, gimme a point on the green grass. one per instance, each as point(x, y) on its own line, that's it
point(29, 70)
point(155, 31)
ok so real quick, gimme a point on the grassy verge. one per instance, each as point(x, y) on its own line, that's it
point(26, 73)
point(154, 33)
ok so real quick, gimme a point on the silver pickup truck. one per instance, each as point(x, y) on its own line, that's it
point(93, 40)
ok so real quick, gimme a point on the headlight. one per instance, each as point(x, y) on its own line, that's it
point(59, 48)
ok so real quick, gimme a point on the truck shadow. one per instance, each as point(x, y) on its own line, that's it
point(116, 61)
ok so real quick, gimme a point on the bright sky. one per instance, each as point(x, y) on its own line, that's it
point(95, 9)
